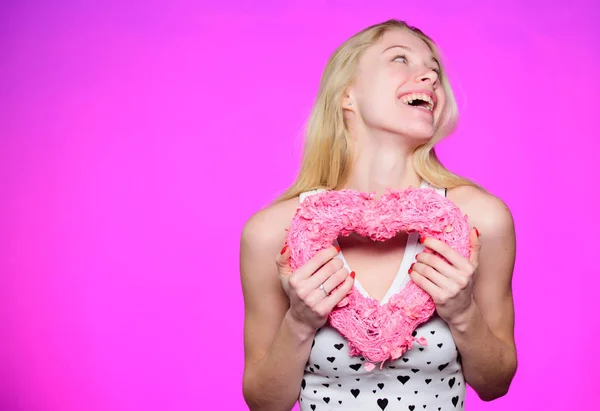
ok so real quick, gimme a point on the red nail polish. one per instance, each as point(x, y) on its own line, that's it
point(337, 247)
point(421, 240)
point(476, 231)
point(283, 250)
point(352, 274)
point(410, 270)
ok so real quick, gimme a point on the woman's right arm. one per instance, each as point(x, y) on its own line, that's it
point(281, 321)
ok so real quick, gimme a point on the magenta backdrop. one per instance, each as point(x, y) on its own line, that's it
point(137, 137)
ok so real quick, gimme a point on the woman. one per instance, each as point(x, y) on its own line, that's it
point(383, 103)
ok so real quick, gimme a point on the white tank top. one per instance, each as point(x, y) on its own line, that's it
point(423, 379)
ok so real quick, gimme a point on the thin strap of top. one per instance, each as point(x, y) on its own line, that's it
point(441, 191)
point(311, 192)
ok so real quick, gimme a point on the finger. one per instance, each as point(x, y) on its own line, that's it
point(329, 285)
point(439, 265)
point(433, 276)
point(427, 286)
point(317, 261)
point(283, 261)
point(322, 274)
point(338, 294)
point(445, 251)
point(475, 246)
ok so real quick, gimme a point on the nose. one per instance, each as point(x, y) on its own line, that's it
point(428, 76)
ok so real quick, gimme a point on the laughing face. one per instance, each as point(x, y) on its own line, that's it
point(397, 87)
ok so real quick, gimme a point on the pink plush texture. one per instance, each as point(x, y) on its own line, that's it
point(379, 332)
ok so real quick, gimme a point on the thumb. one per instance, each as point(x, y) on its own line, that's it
point(475, 246)
point(283, 261)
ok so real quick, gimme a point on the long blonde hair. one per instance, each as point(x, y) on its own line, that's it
point(327, 153)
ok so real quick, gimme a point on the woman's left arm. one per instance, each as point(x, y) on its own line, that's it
point(475, 296)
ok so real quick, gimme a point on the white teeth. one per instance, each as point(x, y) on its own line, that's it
point(409, 98)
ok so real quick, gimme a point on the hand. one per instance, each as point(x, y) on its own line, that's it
point(310, 305)
point(450, 284)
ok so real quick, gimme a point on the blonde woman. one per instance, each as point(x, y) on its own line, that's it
point(383, 103)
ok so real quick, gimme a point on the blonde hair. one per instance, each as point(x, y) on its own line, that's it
point(327, 153)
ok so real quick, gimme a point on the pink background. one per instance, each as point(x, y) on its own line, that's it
point(136, 138)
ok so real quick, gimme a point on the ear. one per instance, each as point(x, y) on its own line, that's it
point(348, 102)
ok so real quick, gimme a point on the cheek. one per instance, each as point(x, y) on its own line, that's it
point(441, 101)
point(377, 97)
point(438, 115)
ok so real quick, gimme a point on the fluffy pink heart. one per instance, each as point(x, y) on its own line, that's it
point(379, 332)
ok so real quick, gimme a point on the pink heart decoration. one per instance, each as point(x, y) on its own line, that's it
point(379, 332)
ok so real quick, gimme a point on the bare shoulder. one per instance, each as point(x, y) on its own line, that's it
point(485, 211)
point(492, 289)
point(266, 227)
point(265, 302)
point(262, 238)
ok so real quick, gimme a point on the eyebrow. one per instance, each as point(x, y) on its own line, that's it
point(409, 49)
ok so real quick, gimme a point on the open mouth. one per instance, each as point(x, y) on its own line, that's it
point(421, 100)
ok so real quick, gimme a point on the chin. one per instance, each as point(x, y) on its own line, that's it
point(417, 129)
point(422, 134)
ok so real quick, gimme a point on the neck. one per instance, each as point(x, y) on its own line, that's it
point(387, 165)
